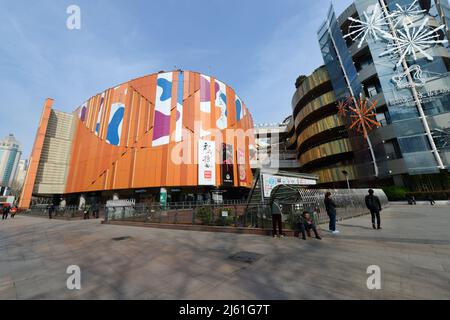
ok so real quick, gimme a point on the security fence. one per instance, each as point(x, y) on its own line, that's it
point(224, 214)
point(67, 212)
point(293, 201)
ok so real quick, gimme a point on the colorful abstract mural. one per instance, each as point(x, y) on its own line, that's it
point(221, 103)
point(240, 110)
point(99, 116)
point(83, 112)
point(115, 124)
point(179, 121)
point(161, 127)
point(205, 94)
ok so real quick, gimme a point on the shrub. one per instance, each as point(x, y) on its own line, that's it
point(395, 193)
point(205, 215)
point(225, 221)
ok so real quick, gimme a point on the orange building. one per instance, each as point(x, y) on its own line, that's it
point(182, 131)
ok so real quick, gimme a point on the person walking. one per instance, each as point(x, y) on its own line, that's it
point(51, 210)
point(374, 205)
point(96, 211)
point(13, 211)
point(276, 219)
point(86, 213)
point(330, 207)
point(431, 200)
point(6, 210)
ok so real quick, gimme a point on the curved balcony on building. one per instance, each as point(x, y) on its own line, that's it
point(327, 99)
point(319, 127)
point(322, 140)
point(311, 87)
point(326, 150)
point(330, 175)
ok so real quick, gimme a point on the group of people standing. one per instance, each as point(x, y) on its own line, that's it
point(306, 223)
point(373, 203)
point(9, 210)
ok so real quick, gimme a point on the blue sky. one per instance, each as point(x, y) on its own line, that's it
point(258, 47)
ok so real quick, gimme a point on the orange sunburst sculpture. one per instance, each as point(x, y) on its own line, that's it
point(363, 116)
point(343, 105)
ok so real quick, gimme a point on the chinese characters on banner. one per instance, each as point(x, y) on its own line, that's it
point(206, 163)
point(241, 168)
point(271, 181)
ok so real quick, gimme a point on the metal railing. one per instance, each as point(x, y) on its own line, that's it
point(67, 212)
point(230, 214)
point(239, 214)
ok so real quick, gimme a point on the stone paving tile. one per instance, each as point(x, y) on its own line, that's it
point(171, 264)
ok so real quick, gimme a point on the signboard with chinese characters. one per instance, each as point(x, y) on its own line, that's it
point(424, 97)
point(227, 165)
point(271, 181)
point(241, 168)
point(206, 163)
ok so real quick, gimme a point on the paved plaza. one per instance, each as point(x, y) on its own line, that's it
point(119, 262)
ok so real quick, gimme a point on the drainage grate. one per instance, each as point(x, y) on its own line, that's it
point(247, 257)
point(122, 238)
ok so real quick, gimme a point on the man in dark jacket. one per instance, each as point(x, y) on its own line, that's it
point(51, 211)
point(306, 224)
point(276, 211)
point(330, 207)
point(374, 205)
point(5, 212)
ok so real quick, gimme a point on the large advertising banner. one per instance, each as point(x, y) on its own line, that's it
point(99, 116)
point(205, 94)
point(116, 114)
point(163, 104)
point(83, 110)
point(240, 111)
point(179, 123)
point(270, 182)
point(227, 165)
point(221, 104)
point(242, 167)
point(206, 163)
point(115, 123)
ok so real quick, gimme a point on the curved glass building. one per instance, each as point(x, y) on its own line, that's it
point(396, 54)
point(323, 143)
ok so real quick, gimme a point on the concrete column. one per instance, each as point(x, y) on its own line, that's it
point(82, 203)
point(62, 203)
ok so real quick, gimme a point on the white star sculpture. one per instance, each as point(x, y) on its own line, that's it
point(372, 25)
point(443, 135)
point(407, 14)
point(410, 41)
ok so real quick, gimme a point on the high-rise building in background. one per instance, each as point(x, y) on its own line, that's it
point(275, 146)
point(20, 175)
point(388, 64)
point(10, 153)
